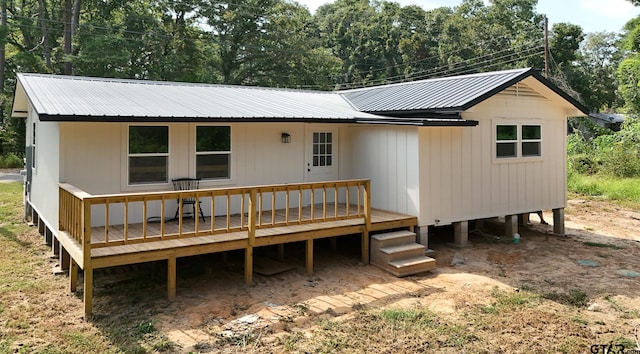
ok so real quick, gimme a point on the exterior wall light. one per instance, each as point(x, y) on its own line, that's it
point(286, 138)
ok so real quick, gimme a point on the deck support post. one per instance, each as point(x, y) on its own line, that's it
point(64, 259)
point(461, 233)
point(367, 222)
point(558, 221)
point(88, 291)
point(333, 241)
point(40, 225)
point(248, 265)
point(523, 219)
point(281, 251)
point(48, 236)
point(86, 258)
point(171, 278)
point(309, 256)
point(73, 276)
point(55, 245)
point(251, 233)
point(510, 225)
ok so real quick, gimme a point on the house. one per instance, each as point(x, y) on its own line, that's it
point(101, 155)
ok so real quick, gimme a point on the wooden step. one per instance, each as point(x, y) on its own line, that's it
point(393, 238)
point(410, 266)
point(408, 250)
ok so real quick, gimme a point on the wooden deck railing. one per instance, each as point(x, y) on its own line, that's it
point(240, 209)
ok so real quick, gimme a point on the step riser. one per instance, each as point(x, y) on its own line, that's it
point(410, 270)
point(386, 258)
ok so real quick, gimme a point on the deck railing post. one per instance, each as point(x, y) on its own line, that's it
point(251, 231)
point(367, 222)
point(86, 252)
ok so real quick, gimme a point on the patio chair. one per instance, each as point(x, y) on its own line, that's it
point(185, 184)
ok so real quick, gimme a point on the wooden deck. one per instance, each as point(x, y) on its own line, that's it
point(253, 222)
point(138, 252)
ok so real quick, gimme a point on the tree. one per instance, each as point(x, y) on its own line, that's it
point(599, 58)
point(628, 72)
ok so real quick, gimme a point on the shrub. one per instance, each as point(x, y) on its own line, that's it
point(10, 161)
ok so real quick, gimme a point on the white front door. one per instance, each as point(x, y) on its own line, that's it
point(321, 153)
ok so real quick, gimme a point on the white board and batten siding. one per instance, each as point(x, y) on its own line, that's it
point(388, 156)
point(44, 187)
point(94, 158)
point(461, 179)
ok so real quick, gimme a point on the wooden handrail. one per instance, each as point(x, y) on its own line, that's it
point(255, 207)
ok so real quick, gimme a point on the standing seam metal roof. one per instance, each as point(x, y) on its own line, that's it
point(449, 93)
point(427, 102)
point(69, 96)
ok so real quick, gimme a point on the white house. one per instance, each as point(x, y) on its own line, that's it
point(446, 151)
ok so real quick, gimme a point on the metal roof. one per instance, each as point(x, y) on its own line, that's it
point(448, 94)
point(433, 102)
point(57, 97)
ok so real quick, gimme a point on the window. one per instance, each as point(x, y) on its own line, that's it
point(531, 140)
point(33, 147)
point(518, 140)
point(213, 152)
point(507, 140)
point(322, 149)
point(148, 154)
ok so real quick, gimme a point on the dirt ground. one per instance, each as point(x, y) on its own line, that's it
point(215, 312)
point(214, 303)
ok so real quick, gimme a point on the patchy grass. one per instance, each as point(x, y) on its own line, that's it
point(38, 313)
point(625, 191)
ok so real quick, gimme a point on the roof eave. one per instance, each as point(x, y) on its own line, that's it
point(130, 119)
point(424, 122)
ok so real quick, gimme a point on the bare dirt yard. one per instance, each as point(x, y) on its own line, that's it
point(578, 293)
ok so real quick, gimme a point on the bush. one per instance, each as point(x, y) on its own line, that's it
point(10, 161)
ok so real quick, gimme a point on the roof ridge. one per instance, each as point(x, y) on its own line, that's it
point(169, 83)
point(455, 77)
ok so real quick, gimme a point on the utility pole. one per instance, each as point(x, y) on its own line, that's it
point(3, 43)
point(546, 47)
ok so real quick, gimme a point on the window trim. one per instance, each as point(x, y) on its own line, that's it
point(196, 153)
point(519, 124)
point(128, 155)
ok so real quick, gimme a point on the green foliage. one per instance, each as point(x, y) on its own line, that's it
point(592, 150)
point(10, 161)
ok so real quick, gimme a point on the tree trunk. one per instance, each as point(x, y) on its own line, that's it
point(75, 18)
point(68, 69)
point(46, 47)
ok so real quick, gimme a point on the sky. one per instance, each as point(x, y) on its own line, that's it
point(591, 15)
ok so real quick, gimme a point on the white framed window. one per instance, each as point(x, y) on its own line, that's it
point(148, 154)
point(522, 140)
point(506, 140)
point(531, 140)
point(213, 152)
point(322, 154)
point(33, 147)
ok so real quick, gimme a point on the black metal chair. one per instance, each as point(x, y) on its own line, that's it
point(186, 184)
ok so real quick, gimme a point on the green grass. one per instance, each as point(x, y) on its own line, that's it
point(625, 190)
